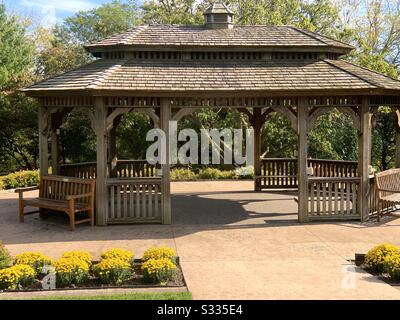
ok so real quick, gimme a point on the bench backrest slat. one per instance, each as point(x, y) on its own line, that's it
point(388, 180)
point(58, 188)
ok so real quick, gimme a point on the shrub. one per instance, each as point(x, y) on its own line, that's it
point(215, 174)
point(112, 271)
point(392, 266)
point(159, 253)
point(16, 277)
point(121, 254)
point(36, 260)
point(183, 174)
point(71, 271)
point(375, 258)
point(81, 255)
point(5, 257)
point(159, 270)
point(245, 172)
point(20, 179)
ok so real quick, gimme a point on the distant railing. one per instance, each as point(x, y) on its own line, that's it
point(79, 170)
point(123, 169)
point(280, 173)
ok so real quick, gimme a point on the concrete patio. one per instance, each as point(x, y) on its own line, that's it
point(233, 244)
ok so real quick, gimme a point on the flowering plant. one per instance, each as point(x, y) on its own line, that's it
point(121, 254)
point(36, 260)
point(17, 276)
point(113, 271)
point(82, 255)
point(159, 270)
point(159, 253)
point(71, 271)
point(375, 258)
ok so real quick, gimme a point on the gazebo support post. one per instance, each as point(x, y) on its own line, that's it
point(100, 117)
point(302, 119)
point(56, 121)
point(165, 117)
point(364, 157)
point(398, 139)
point(257, 125)
point(112, 146)
point(43, 141)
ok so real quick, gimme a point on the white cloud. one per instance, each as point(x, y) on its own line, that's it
point(49, 9)
point(63, 5)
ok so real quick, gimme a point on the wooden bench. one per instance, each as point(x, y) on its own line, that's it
point(388, 187)
point(69, 195)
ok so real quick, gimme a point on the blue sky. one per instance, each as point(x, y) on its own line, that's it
point(49, 11)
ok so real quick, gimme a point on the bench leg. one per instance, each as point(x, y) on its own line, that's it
point(91, 216)
point(21, 206)
point(380, 209)
point(72, 221)
point(42, 213)
point(71, 214)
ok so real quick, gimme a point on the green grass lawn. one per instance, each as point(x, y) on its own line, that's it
point(124, 296)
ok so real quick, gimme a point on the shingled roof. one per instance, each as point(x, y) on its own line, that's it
point(155, 77)
point(259, 37)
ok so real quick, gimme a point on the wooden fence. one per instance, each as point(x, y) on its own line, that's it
point(333, 198)
point(134, 200)
point(281, 173)
point(123, 169)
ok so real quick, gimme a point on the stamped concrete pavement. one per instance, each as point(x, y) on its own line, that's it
point(233, 244)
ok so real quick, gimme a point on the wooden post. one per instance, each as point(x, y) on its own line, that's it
point(257, 125)
point(112, 146)
point(364, 158)
point(397, 151)
point(302, 119)
point(56, 121)
point(43, 141)
point(100, 118)
point(165, 117)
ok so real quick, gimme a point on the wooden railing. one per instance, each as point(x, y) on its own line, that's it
point(123, 169)
point(279, 173)
point(333, 198)
point(134, 169)
point(79, 170)
point(333, 168)
point(134, 200)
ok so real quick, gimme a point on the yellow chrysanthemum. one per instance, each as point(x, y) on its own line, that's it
point(113, 271)
point(375, 257)
point(159, 270)
point(82, 255)
point(36, 260)
point(121, 254)
point(15, 276)
point(159, 253)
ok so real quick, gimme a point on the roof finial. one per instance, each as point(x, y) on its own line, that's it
point(219, 16)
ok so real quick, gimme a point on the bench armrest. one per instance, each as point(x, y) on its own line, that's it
point(21, 190)
point(79, 196)
point(387, 190)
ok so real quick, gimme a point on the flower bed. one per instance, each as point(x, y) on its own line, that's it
point(382, 261)
point(76, 270)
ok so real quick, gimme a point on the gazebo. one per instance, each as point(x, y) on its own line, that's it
point(168, 71)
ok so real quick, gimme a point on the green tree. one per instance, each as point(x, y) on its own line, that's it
point(18, 128)
point(184, 12)
point(104, 21)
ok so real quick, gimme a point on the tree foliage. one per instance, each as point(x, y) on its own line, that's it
point(28, 55)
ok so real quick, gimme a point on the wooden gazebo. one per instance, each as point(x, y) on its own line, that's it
point(168, 71)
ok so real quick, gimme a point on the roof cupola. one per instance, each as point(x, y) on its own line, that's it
point(218, 16)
